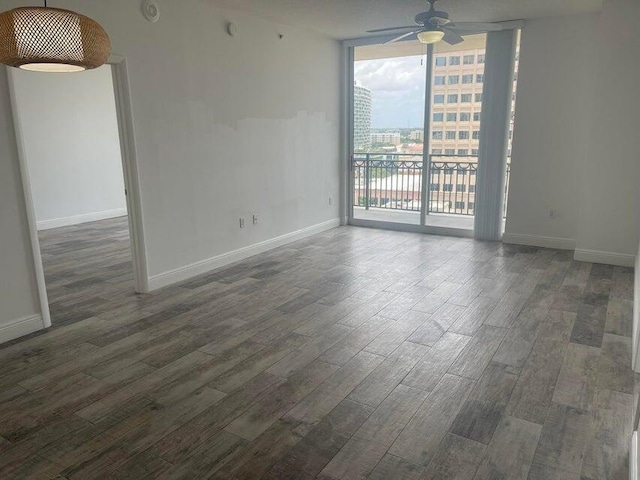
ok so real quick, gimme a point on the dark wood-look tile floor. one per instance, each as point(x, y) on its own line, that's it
point(353, 354)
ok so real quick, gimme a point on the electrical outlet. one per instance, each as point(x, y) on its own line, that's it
point(241, 222)
point(330, 200)
point(255, 219)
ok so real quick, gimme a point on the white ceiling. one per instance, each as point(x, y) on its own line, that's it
point(343, 19)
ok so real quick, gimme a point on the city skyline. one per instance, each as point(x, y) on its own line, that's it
point(397, 88)
point(456, 103)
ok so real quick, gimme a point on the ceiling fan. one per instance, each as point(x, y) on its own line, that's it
point(433, 26)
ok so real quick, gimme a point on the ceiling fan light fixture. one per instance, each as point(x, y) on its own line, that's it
point(51, 40)
point(431, 36)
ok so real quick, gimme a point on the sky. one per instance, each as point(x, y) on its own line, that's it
point(397, 90)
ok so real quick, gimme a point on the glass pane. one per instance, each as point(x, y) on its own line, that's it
point(453, 167)
point(389, 97)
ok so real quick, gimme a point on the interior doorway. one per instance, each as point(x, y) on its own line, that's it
point(78, 165)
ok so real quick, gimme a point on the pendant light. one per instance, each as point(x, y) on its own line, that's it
point(47, 39)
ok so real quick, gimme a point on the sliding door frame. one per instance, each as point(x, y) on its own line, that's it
point(348, 47)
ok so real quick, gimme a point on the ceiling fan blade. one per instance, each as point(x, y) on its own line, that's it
point(390, 29)
point(474, 27)
point(404, 35)
point(451, 37)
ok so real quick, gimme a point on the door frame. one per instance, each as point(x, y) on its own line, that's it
point(348, 47)
point(131, 176)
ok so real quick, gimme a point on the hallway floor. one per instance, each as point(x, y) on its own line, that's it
point(356, 353)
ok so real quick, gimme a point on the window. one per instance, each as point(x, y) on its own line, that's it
point(480, 78)
point(451, 135)
point(463, 151)
point(476, 135)
point(478, 97)
point(454, 79)
point(460, 205)
point(474, 152)
point(461, 187)
point(452, 98)
point(472, 189)
point(454, 60)
point(465, 98)
point(465, 116)
point(481, 58)
point(452, 117)
point(438, 99)
point(463, 135)
point(438, 117)
point(476, 116)
point(449, 151)
point(472, 205)
point(436, 135)
point(441, 61)
point(469, 59)
point(447, 187)
point(436, 151)
point(434, 187)
point(467, 78)
point(439, 80)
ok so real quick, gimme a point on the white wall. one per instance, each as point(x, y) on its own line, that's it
point(72, 150)
point(552, 127)
point(576, 148)
point(610, 221)
point(19, 304)
point(224, 127)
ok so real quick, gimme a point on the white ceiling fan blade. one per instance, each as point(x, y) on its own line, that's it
point(474, 27)
point(390, 29)
point(451, 37)
point(404, 35)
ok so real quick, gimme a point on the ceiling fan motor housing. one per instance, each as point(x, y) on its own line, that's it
point(432, 17)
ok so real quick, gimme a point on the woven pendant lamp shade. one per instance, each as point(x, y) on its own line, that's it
point(51, 40)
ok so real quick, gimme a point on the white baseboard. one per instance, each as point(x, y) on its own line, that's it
point(84, 218)
point(193, 270)
point(19, 327)
point(608, 258)
point(538, 241)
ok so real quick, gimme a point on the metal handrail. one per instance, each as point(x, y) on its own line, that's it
point(396, 182)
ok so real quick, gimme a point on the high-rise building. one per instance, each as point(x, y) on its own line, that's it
point(361, 118)
point(457, 103)
point(389, 138)
point(417, 135)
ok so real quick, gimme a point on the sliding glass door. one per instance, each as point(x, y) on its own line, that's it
point(388, 133)
point(407, 166)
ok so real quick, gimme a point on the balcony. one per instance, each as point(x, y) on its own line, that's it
point(388, 187)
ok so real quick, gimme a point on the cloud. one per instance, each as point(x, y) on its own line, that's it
point(391, 76)
point(397, 86)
